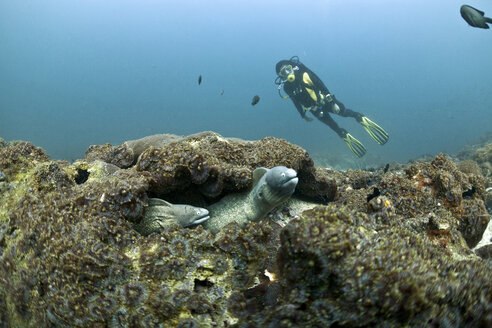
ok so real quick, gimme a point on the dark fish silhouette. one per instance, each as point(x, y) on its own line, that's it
point(474, 17)
point(199, 79)
point(221, 92)
point(255, 100)
point(375, 193)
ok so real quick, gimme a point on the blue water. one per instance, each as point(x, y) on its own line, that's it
point(76, 73)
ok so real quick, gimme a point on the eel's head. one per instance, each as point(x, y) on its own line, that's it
point(282, 180)
point(188, 215)
point(276, 186)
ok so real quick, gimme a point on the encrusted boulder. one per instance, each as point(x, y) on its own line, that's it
point(69, 253)
point(339, 267)
point(389, 250)
point(70, 257)
point(121, 155)
point(126, 154)
point(424, 193)
point(19, 156)
point(208, 164)
point(217, 164)
point(483, 154)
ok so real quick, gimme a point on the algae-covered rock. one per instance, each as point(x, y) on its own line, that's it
point(19, 156)
point(126, 154)
point(70, 257)
point(210, 165)
point(338, 267)
point(120, 156)
point(483, 154)
point(217, 164)
point(389, 251)
point(436, 187)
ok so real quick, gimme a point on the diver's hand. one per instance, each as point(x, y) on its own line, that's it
point(307, 119)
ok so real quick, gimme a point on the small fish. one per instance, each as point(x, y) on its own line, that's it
point(221, 92)
point(199, 79)
point(474, 17)
point(255, 100)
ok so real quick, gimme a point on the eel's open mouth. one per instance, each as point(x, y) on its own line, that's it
point(201, 216)
point(201, 219)
point(291, 182)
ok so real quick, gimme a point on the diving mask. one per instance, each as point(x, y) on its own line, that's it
point(287, 72)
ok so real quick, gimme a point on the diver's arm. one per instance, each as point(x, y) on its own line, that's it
point(299, 108)
point(289, 90)
point(301, 111)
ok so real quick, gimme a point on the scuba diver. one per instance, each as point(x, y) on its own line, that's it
point(309, 94)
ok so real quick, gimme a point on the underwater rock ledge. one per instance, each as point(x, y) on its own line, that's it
point(212, 162)
point(381, 248)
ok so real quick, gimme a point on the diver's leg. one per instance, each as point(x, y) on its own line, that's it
point(375, 131)
point(355, 145)
point(346, 112)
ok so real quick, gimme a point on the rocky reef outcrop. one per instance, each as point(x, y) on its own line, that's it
point(210, 165)
point(343, 268)
point(477, 159)
point(382, 248)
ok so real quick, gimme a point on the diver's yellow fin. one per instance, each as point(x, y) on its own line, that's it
point(354, 145)
point(375, 131)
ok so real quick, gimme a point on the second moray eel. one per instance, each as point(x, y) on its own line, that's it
point(160, 214)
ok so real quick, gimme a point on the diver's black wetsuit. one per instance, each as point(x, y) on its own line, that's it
point(309, 93)
point(304, 101)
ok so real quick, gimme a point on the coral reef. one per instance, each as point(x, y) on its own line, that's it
point(19, 157)
point(338, 267)
point(483, 154)
point(483, 157)
point(423, 192)
point(215, 164)
point(392, 249)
